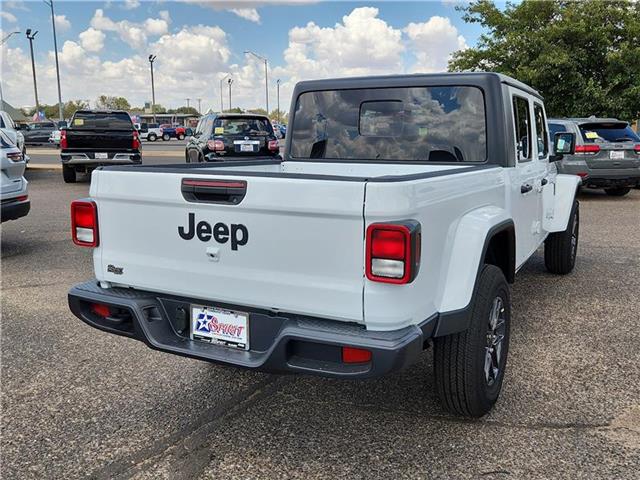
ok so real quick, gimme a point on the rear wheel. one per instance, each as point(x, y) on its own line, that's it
point(561, 248)
point(68, 174)
point(469, 366)
point(166, 137)
point(152, 137)
point(617, 192)
point(181, 136)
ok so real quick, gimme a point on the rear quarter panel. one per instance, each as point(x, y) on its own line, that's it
point(439, 204)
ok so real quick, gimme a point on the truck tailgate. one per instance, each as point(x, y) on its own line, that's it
point(99, 140)
point(304, 251)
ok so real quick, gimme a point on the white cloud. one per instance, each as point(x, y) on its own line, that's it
point(433, 42)
point(8, 17)
point(134, 34)
point(62, 24)
point(250, 14)
point(362, 43)
point(131, 4)
point(156, 26)
point(92, 40)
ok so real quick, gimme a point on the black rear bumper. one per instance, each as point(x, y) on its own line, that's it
point(280, 343)
point(612, 181)
point(12, 210)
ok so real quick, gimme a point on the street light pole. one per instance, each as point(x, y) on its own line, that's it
point(153, 89)
point(31, 36)
point(278, 97)
point(2, 42)
point(187, 99)
point(55, 49)
point(266, 75)
point(199, 105)
point(230, 81)
point(222, 92)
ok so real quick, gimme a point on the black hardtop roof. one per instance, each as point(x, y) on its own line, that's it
point(237, 115)
point(382, 81)
point(100, 110)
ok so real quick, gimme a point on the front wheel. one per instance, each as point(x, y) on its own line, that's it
point(166, 137)
point(152, 137)
point(469, 366)
point(561, 248)
point(181, 137)
point(617, 192)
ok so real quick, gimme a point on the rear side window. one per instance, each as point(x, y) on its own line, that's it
point(608, 132)
point(542, 136)
point(438, 124)
point(523, 128)
point(102, 120)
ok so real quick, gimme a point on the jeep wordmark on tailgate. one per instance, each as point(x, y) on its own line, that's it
point(398, 217)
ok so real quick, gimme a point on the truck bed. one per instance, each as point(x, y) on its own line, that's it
point(322, 170)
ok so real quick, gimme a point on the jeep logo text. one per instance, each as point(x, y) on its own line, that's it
point(221, 232)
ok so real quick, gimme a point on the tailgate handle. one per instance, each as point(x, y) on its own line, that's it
point(228, 192)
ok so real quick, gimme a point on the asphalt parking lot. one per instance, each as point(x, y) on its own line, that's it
point(80, 403)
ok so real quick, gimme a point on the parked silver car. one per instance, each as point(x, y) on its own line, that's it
point(15, 194)
point(607, 153)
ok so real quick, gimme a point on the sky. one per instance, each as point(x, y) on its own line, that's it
point(104, 47)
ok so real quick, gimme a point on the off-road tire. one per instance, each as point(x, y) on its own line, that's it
point(617, 192)
point(69, 174)
point(152, 137)
point(560, 249)
point(459, 359)
point(166, 137)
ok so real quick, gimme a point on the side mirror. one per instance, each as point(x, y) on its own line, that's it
point(564, 143)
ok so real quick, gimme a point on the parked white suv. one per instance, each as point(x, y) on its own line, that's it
point(400, 214)
point(15, 194)
point(8, 126)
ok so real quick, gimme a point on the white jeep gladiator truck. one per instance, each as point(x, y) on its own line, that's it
point(398, 217)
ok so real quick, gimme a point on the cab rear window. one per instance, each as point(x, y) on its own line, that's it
point(102, 120)
point(439, 124)
point(241, 126)
point(608, 132)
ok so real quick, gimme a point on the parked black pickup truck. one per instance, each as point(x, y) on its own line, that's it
point(98, 137)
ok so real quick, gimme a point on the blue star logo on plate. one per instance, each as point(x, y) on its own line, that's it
point(204, 318)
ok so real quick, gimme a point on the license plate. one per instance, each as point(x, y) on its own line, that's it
point(246, 148)
point(616, 155)
point(220, 326)
point(101, 155)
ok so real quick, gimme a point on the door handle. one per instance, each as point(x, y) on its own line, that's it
point(526, 188)
point(544, 182)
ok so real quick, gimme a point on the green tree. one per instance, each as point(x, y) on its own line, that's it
point(113, 103)
point(187, 110)
point(278, 114)
point(583, 57)
point(258, 111)
point(72, 106)
point(234, 110)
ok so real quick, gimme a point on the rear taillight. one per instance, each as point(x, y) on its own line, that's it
point(22, 198)
point(637, 149)
point(135, 144)
point(273, 146)
point(15, 156)
point(215, 145)
point(63, 139)
point(589, 149)
point(393, 251)
point(84, 223)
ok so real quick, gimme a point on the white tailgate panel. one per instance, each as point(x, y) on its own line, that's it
point(304, 252)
